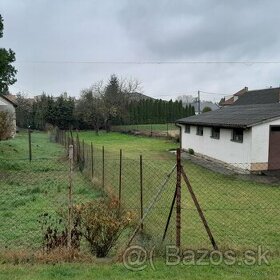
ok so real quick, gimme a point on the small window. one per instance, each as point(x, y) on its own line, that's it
point(199, 130)
point(237, 135)
point(215, 133)
point(187, 129)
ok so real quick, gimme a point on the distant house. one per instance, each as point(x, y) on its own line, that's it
point(245, 136)
point(7, 105)
point(246, 97)
point(261, 96)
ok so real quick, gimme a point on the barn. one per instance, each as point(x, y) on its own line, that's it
point(245, 136)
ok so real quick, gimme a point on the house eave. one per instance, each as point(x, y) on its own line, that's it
point(222, 125)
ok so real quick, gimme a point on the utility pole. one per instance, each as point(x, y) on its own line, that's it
point(198, 101)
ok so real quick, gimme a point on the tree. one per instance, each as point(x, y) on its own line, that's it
point(115, 97)
point(7, 71)
point(23, 111)
point(90, 110)
point(206, 109)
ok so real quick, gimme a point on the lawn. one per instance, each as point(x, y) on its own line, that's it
point(132, 146)
point(171, 128)
point(241, 214)
point(118, 271)
point(29, 189)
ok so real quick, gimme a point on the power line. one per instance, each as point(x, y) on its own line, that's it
point(141, 62)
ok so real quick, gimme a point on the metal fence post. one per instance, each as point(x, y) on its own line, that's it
point(103, 167)
point(83, 153)
point(178, 200)
point(120, 179)
point(29, 144)
point(65, 138)
point(70, 186)
point(91, 154)
point(141, 191)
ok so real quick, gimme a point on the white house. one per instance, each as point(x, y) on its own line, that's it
point(247, 136)
point(8, 105)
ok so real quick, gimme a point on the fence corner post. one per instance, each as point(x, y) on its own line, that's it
point(178, 200)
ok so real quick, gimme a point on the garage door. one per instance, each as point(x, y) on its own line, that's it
point(274, 148)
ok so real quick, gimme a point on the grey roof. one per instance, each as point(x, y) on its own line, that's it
point(5, 97)
point(236, 116)
point(262, 96)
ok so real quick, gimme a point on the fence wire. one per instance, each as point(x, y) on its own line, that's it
point(242, 211)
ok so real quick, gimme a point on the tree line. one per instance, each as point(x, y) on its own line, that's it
point(98, 107)
point(151, 111)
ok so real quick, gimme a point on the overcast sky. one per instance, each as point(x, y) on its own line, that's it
point(51, 38)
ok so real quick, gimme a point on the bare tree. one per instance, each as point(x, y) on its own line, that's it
point(100, 104)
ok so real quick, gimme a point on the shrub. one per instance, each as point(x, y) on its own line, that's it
point(102, 222)
point(191, 151)
point(54, 230)
point(6, 125)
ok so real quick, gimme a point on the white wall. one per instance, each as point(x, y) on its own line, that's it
point(260, 143)
point(8, 107)
point(222, 149)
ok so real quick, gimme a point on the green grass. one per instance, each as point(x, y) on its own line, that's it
point(132, 146)
point(241, 214)
point(18, 148)
point(118, 271)
point(28, 189)
point(148, 127)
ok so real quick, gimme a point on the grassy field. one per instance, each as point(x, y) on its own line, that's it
point(171, 128)
point(241, 214)
point(28, 189)
point(132, 146)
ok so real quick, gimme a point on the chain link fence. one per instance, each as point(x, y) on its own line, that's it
point(240, 211)
point(168, 130)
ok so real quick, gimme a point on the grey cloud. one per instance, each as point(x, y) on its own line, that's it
point(127, 30)
point(219, 29)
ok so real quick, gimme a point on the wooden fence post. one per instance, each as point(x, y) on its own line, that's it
point(141, 191)
point(70, 186)
point(178, 200)
point(83, 153)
